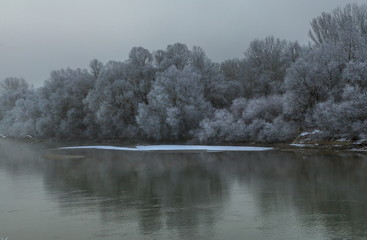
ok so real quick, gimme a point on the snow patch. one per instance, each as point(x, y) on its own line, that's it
point(361, 141)
point(303, 145)
point(298, 145)
point(358, 150)
point(310, 133)
point(175, 148)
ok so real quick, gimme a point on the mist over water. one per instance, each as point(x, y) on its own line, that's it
point(156, 195)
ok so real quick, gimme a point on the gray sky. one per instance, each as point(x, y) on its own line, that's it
point(38, 36)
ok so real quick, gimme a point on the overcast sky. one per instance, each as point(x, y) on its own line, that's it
point(37, 36)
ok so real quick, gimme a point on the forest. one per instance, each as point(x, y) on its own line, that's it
point(276, 91)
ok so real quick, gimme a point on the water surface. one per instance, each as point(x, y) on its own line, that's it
point(175, 195)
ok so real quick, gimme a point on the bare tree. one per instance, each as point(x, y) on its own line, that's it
point(96, 67)
point(13, 84)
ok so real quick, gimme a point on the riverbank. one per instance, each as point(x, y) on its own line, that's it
point(304, 141)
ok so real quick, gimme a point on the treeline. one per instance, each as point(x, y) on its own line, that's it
point(278, 89)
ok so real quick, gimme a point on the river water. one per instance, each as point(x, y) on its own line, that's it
point(180, 195)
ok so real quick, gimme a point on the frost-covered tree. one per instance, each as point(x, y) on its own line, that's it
point(221, 127)
point(233, 69)
point(95, 67)
point(258, 120)
point(21, 120)
point(177, 55)
point(61, 104)
point(266, 64)
point(277, 90)
point(112, 101)
point(11, 90)
point(119, 89)
point(176, 105)
point(13, 84)
point(140, 56)
point(265, 108)
point(346, 118)
point(158, 57)
point(218, 90)
point(335, 60)
point(343, 24)
point(355, 74)
point(308, 82)
point(198, 58)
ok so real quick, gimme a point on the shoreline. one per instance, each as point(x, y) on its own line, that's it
point(296, 145)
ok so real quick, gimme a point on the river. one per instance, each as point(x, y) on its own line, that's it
point(111, 194)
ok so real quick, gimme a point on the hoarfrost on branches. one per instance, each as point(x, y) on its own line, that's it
point(276, 91)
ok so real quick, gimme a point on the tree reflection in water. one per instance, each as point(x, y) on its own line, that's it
point(187, 195)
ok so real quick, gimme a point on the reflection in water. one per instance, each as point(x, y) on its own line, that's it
point(132, 195)
point(175, 191)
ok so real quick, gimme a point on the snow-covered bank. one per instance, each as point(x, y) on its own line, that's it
point(176, 148)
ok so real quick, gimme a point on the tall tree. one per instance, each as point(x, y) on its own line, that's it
point(175, 106)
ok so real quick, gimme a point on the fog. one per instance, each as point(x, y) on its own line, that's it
point(39, 36)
